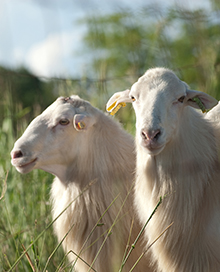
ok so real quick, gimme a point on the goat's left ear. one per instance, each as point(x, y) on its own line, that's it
point(200, 100)
point(83, 122)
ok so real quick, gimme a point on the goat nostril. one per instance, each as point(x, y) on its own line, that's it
point(144, 135)
point(157, 134)
point(151, 135)
point(17, 154)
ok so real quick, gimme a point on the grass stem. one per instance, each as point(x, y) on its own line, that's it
point(149, 247)
point(139, 235)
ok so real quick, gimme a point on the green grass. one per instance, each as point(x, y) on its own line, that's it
point(25, 212)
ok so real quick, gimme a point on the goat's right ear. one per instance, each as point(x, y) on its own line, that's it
point(83, 122)
point(116, 99)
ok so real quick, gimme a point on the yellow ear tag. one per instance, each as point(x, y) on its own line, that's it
point(122, 104)
point(81, 125)
point(112, 106)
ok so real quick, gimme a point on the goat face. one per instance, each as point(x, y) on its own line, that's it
point(52, 140)
point(159, 98)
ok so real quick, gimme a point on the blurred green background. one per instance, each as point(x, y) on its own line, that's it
point(123, 45)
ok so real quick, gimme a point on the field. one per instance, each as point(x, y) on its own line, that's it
point(183, 40)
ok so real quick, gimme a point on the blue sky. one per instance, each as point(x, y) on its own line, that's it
point(45, 36)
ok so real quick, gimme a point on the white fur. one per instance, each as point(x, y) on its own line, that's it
point(98, 160)
point(177, 159)
point(214, 114)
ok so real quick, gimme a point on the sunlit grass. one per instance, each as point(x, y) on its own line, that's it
point(25, 212)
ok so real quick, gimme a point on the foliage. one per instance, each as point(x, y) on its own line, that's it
point(129, 43)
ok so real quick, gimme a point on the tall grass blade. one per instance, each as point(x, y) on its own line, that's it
point(110, 230)
point(149, 247)
point(29, 259)
point(139, 235)
point(97, 224)
point(56, 248)
point(4, 189)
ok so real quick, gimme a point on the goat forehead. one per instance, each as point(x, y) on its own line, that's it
point(53, 111)
point(150, 94)
point(64, 109)
point(160, 87)
point(159, 73)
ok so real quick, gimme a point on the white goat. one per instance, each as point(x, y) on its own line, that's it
point(79, 144)
point(177, 158)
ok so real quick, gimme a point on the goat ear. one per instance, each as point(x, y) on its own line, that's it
point(200, 100)
point(117, 98)
point(83, 121)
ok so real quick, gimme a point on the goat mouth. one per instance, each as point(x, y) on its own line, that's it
point(153, 149)
point(24, 167)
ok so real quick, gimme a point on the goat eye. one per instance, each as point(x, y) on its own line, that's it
point(64, 122)
point(181, 99)
point(133, 98)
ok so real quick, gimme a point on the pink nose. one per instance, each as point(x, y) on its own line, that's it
point(150, 135)
point(16, 154)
